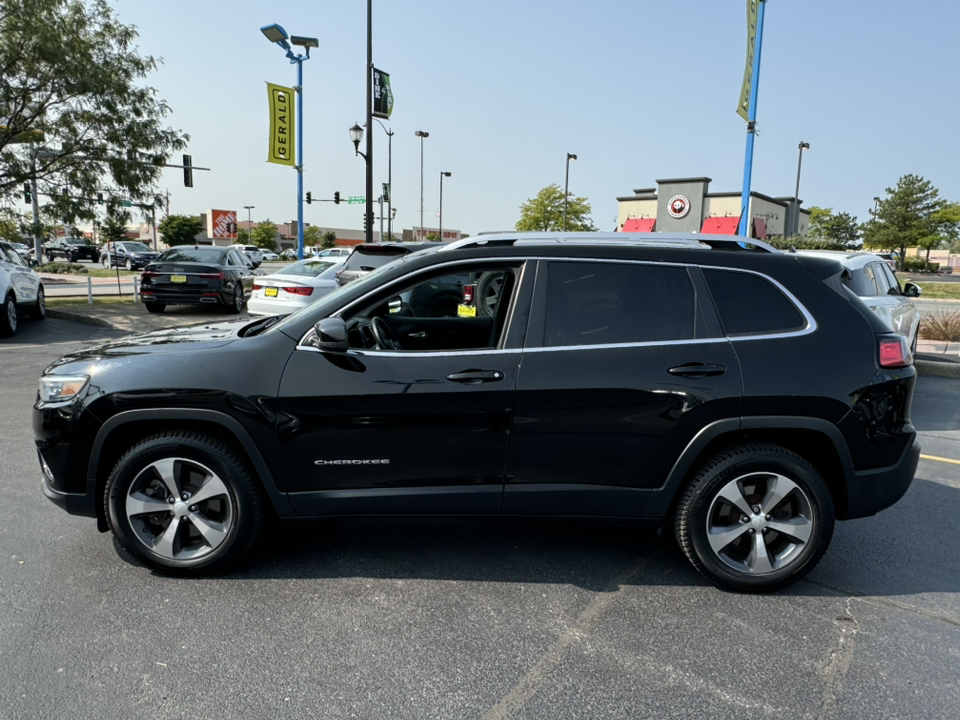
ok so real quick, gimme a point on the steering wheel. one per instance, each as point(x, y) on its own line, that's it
point(384, 336)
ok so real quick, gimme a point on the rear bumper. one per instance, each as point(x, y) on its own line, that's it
point(165, 298)
point(870, 491)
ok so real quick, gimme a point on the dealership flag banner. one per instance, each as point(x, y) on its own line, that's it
point(743, 108)
point(282, 126)
point(382, 95)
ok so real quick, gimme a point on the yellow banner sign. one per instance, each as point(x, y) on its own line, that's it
point(743, 109)
point(282, 127)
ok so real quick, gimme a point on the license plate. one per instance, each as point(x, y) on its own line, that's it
point(178, 278)
point(466, 311)
point(270, 292)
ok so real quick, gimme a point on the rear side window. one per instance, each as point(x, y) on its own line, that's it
point(749, 304)
point(360, 260)
point(617, 303)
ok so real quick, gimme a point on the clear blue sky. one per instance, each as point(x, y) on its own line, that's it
point(638, 90)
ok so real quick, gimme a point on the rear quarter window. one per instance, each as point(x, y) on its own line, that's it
point(750, 304)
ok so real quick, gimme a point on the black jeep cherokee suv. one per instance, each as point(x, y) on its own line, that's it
point(741, 396)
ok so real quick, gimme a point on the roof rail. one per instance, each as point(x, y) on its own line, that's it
point(687, 240)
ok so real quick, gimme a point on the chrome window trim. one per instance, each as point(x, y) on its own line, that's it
point(356, 352)
point(523, 261)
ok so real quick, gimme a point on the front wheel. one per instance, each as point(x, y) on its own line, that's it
point(129, 264)
point(105, 261)
point(755, 518)
point(183, 503)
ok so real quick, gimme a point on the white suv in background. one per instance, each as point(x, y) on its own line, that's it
point(20, 290)
point(252, 252)
point(870, 277)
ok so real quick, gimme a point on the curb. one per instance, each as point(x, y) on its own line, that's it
point(85, 319)
point(940, 369)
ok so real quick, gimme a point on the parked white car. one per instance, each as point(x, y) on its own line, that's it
point(318, 251)
point(870, 276)
point(252, 252)
point(294, 287)
point(20, 289)
point(269, 256)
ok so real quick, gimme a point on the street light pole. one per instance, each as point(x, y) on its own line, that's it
point(389, 181)
point(421, 134)
point(248, 208)
point(796, 193)
point(566, 184)
point(368, 238)
point(277, 35)
point(442, 175)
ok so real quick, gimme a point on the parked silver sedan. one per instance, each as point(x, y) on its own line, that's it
point(294, 286)
point(870, 276)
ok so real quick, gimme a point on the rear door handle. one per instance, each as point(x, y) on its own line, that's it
point(475, 377)
point(697, 370)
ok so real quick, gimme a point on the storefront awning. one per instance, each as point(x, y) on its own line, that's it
point(760, 228)
point(721, 225)
point(639, 225)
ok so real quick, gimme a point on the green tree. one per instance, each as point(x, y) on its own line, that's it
point(842, 230)
point(545, 212)
point(328, 240)
point(10, 231)
point(114, 228)
point(906, 217)
point(180, 229)
point(946, 221)
point(311, 235)
point(71, 79)
point(264, 235)
point(243, 237)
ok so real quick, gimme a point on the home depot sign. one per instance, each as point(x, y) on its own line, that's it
point(223, 224)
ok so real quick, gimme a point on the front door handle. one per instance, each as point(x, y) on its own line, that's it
point(475, 377)
point(697, 370)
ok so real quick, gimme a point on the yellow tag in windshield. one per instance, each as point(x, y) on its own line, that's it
point(466, 311)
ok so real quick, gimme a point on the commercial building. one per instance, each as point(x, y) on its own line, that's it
point(687, 205)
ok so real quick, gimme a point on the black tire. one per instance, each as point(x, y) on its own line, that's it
point(155, 307)
point(761, 551)
point(487, 293)
point(236, 304)
point(49, 258)
point(151, 487)
point(105, 261)
point(128, 264)
point(39, 309)
point(8, 316)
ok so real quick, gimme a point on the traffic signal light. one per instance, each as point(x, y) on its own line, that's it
point(336, 197)
point(366, 222)
point(27, 194)
point(309, 197)
point(100, 198)
point(187, 171)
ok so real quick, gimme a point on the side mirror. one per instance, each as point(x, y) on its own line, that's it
point(912, 290)
point(33, 263)
point(331, 334)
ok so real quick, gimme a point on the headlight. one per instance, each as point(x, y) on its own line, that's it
point(60, 388)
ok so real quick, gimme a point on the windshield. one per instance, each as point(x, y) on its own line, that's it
point(361, 260)
point(135, 247)
point(76, 241)
point(187, 254)
point(309, 268)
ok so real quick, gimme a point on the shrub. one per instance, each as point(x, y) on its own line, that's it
point(915, 264)
point(63, 268)
point(941, 325)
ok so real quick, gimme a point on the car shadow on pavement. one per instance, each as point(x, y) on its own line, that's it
point(890, 554)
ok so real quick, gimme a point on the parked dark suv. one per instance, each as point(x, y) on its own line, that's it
point(71, 249)
point(743, 397)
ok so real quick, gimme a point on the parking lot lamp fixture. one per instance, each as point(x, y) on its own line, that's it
point(566, 184)
point(796, 193)
point(248, 208)
point(277, 35)
point(421, 134)
point(442, 175)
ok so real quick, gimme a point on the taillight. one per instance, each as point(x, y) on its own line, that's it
point(468, 294)
point(299, 290)
point(146, 274)
point(213, 276)
point(894, 352)
point(257, 287)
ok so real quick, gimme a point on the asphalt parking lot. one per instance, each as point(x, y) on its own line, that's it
point(471, 618)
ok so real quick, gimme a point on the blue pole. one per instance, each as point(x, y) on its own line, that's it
point(299, 60)
point(751, 124)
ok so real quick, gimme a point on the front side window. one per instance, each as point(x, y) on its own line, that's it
point(464, 308)
point(596, 303)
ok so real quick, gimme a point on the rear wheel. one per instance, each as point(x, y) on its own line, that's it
point(155, 307)
point(8, 316)
point(39, 310)
point(755, 518)
point(184, 503)
point(236, 304)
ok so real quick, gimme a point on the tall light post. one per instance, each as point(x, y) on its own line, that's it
point(277, 35)
point(389, 181)
point(566, 184)
point(248, 208)
point(368, 235)
point(796, 193)
point(356, 135)
point(442, 175)
point(421, 134)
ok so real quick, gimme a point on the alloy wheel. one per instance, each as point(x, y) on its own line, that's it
point(179, 509)
point(11, 314)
